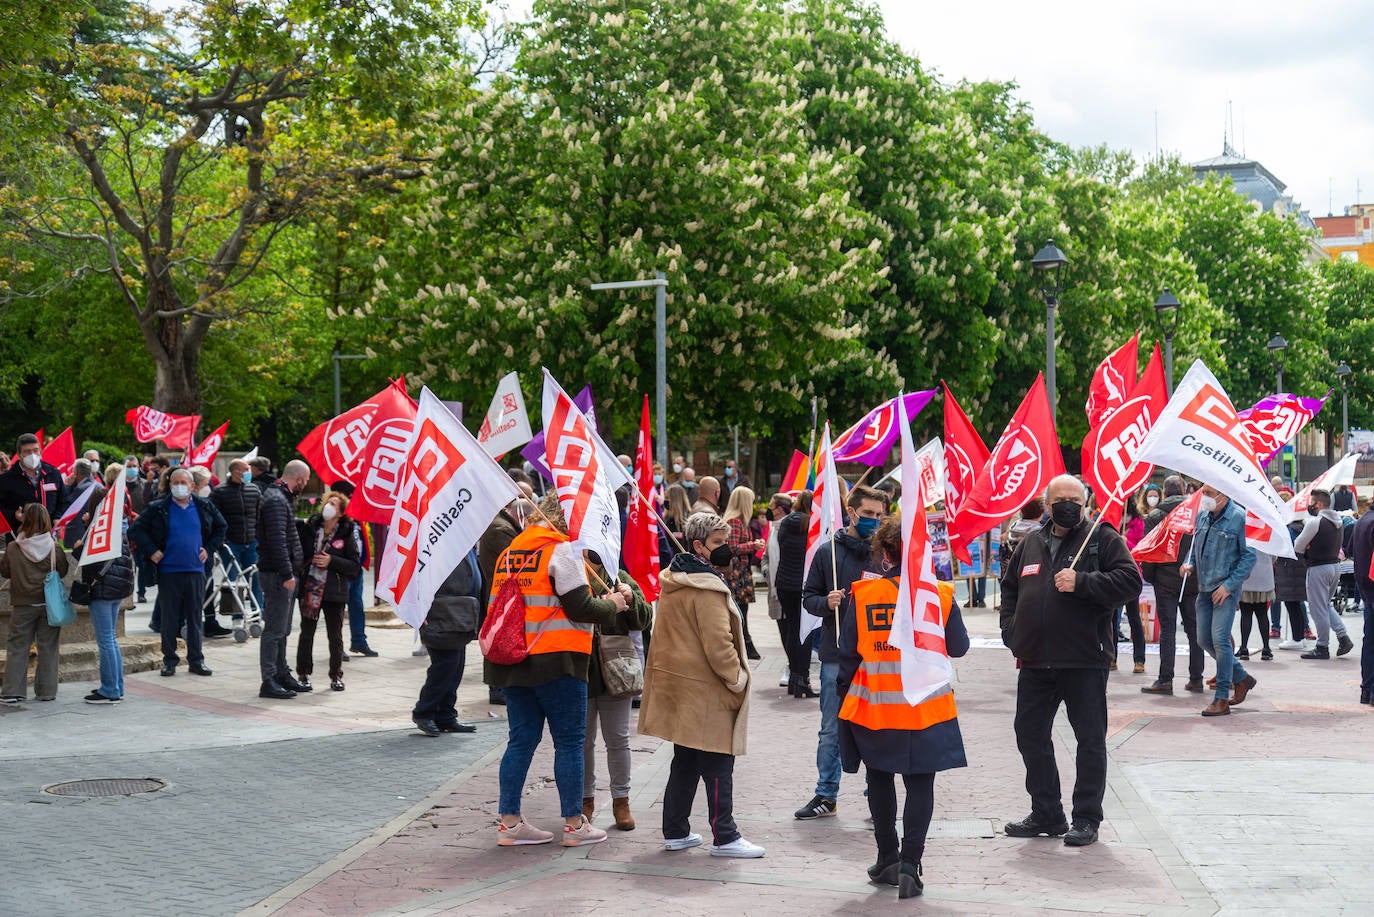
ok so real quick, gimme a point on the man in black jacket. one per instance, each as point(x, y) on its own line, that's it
point(826, 587)
point(31, 480)
point(1175, 597)
point(1058, 622)
point(281, 560)
point(179, 532)
point(1362, 553)
point(237, 499)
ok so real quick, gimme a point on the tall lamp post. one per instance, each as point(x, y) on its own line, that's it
point(660, 285)
point(1276, 346)
point(1342, 372)
point(336, 357)
point(1048, 261)
point(1166, 311)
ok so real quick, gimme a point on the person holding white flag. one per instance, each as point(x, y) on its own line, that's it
point(107, 570)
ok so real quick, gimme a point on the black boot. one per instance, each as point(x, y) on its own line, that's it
point(909, 884)
point(804, 688)
point(885, 871)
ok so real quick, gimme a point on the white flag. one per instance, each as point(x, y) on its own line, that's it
point(507, 424)
point(827, 518)
point(585, 474)
point(1343, 472)
point(930, 466)
point(1200, 436)
point(105, 537)
point(71, 512)
point(250, 454)
point(918, 623)
point(448, 492)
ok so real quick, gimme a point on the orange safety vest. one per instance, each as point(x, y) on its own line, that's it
point(875, 699)
point(547, 628)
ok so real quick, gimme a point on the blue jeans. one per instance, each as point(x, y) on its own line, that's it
point(104, 619)
point(357, 615)
point(1367, 642)
point(563, 703)
point(1214, 635)
point(243, 555)
point(828, 744)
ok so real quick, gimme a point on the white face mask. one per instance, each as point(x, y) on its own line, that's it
point(329, 512)
point(1207, 505)
point(32, 461)
point(677, 468)
point(180, 491)
point(204, 491)
point(1152, 500)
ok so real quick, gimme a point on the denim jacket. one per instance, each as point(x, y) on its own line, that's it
point(1220, 554)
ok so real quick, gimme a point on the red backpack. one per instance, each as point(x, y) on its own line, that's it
point(502, 637)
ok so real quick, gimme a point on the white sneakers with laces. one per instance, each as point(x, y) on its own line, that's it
point(682, 843)
point(739, 849)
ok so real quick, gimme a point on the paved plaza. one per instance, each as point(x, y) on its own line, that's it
point(333, 804)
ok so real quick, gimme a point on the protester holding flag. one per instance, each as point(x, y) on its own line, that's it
point(81, 480)
point(551, 683)
point(1362, 553)
point(696, 689)
point(1222, 561)
point(30, 480)
point(110, 582)
point(1320, 541)
point(739, 575)
point(788, 582)
point(842, 560)
point(1174, 596)
point(25, 562)
point(884, 732)
point(612, 712)
point(1059, 593)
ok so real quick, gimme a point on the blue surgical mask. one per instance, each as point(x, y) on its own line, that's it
point(247, 477)
point(729, 472)
point(131, 474)
point(658, 479)
point(865, 526)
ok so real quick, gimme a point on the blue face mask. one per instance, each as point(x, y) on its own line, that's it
point(866, 526)
point(658, 479)
point(247, 477)
point(131, 474)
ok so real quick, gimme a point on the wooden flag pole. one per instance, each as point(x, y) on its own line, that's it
point(1116, 495)
point(587, 566)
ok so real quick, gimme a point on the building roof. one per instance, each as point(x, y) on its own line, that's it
point(1334, 227)
point(1253, 182)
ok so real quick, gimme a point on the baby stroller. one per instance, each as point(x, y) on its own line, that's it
point(1347, 598)
point(234, 587)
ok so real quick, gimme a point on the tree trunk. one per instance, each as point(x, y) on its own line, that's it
point(175, 352)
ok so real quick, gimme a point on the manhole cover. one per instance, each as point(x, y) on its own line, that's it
point(107, 786)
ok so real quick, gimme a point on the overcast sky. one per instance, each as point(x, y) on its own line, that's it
point(1299, 75)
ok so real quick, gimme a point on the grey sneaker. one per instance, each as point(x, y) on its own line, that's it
point(818, 807)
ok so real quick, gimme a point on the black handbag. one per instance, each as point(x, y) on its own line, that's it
point(82, 592)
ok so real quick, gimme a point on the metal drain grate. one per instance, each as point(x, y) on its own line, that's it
point(107, 786)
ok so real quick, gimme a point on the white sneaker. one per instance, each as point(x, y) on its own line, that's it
point(739, 849)
point(1291, 645)
point(521, 834)
point(582, 835)
point(682, 843)
point(786, 678)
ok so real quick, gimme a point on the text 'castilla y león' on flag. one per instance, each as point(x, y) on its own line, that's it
point(449, 490)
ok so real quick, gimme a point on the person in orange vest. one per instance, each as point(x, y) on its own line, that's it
point(884, 732)
point(551, 682)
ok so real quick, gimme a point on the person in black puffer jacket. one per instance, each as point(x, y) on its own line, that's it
point(787, 582)
point(1169, 585)
point(328, 538)
point(280, 562)
point(452, 623)
point(110, 583)
point(237, 500)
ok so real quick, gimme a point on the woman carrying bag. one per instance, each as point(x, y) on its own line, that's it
point(107, 584)
point(27, 561)
point(324, 588)
point(607, 699)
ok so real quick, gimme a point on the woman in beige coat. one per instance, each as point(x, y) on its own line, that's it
point(696, 689)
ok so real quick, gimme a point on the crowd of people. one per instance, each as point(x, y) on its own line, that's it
point(595, 648)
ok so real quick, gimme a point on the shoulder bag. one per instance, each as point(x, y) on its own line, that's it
point(61, 611)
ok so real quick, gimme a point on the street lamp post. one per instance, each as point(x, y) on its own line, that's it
point(336, 357)
point(1342, 372)
point(1048, 261)
point(1166, 311)
point(1276, 346)
point(660, 285)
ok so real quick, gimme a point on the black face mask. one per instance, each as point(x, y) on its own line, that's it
point(1066, 514)
point(720, 556)
point(1313, 510)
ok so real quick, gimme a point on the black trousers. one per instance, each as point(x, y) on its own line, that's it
point(333, 613)
point(1170, 608)
point(1083, 692)
point(179, 596)
point(439, 696)
point(798, 650)
point(717, 771)
point(916, 814)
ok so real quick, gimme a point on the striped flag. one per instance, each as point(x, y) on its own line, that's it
point(827, 517)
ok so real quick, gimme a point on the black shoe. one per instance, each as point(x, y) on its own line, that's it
point(456, 727)
point(1364, 697)
point(1194, 685)
point(425, 726)
point(1317, 652)
point(336, 684)
point(291, 684)
point(884, 873)
point(201, 670)
point(634, 703)
point(909, 884)
point(1243, 653)
point(168, 670)
point(496, 696)
point(213, 630)
point(363, 651)
point(818, 807)
point(95, 697)
point(751, 652)
point(1344, 645)
point(273, 690)
point(1267, 656)
point(1081, 834)
point(1030, 826)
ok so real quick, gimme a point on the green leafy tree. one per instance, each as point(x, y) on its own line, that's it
point(1346, 289)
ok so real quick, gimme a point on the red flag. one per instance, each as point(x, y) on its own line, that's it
point(1160, 545)
point(1113, 382)
point(366, 446)
point(39, 434)
point(1110, 448)
point(204, 454)
point(175, 430)
point(641, 530)
point(62, 452)
point(965, 456)
point(1026, 459)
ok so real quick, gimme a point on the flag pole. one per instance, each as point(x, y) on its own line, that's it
point(835, 578)
point(1116, 495)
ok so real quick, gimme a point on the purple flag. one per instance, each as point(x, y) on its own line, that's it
point(1276, 419)
point(870, 440)
point(534, 449)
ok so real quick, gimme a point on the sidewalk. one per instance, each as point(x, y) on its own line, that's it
point(332, 803)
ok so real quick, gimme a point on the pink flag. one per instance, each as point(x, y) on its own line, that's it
point(871, 440)
point(1275, 420)
point(918, 624)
